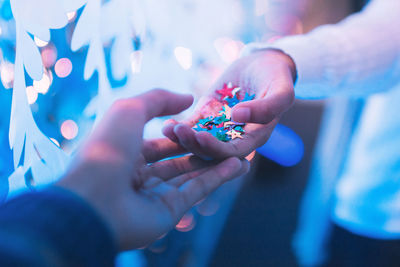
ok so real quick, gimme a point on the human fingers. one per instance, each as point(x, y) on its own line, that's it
point(256, 135)
point(171, 168)
point(206, 146)
point(277, 99)
point(157, 149)
point(121, 129)
point(205, 107)
point(197, 188)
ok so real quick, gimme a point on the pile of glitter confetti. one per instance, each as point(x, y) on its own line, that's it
point(222, 126)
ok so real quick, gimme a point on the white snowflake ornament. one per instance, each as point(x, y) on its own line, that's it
point(32, 150)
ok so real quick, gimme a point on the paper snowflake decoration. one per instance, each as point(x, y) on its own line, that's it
point(32, 150)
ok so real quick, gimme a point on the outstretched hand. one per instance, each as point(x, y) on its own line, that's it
point(142, 201)
point(269, 75)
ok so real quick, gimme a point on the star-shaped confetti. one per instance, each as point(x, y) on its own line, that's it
point(220, 119)
point(214, 131)
point(232, 101)
point(222, 126)
point(222, 136)
point(219, 133)
point(238, 128)
point(248, 97)
point(227, 111)
point(205, 121)
point(229, 124)
point(234, 134)
point(226, 91)
point(199, 128)
point(235, 91)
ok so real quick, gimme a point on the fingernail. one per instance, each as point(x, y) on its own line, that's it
point(241, 114)
point(168, 122)
point(177, 130)
point(178, 126)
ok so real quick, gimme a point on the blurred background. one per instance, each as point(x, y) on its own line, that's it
point(184, 45)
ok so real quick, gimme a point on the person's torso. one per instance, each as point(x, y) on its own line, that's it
point(368, 192)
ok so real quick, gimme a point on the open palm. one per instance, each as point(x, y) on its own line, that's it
point(121, 175)
point(269, 75)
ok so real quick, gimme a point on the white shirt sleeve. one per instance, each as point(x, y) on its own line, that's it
point(356, 57)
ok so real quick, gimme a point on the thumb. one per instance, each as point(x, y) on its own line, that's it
point(122, 126)
point(278, 99)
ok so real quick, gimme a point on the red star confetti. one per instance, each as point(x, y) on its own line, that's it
point(222, 126)
point(225, 92)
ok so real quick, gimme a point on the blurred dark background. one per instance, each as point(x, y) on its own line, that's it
point(260, 228)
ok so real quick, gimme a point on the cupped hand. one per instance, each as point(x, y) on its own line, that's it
point(268, 74)
point(122, 177)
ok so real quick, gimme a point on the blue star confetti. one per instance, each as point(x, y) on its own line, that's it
point(232, 101)
point(222, 126)
point(248, 97)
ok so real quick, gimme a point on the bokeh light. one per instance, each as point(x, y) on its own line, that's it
point(290, 150)
point(55, 141)
point(288, 24)
point(7, 74)
point(71, 16)
point(49, 56)
point(31, 94)
point(251, 156)
point(63, 67)
point(228, 49)
point(40, 42)
point(184, 57)
point(136, 61)
point(43, 85)
point(69, 129)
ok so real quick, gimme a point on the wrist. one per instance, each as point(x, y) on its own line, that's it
point(285, 59)
point(95, 196)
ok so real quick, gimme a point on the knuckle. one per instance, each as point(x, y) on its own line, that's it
point(202, 186)
point(152, 148)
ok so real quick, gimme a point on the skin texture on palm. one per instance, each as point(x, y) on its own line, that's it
point(122, 177)
point(269, 74)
